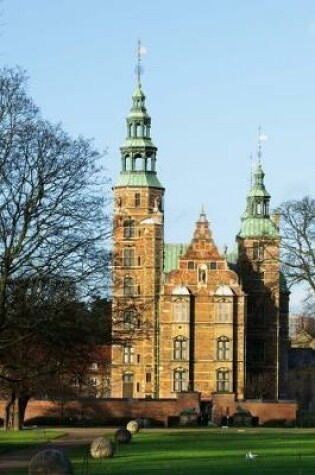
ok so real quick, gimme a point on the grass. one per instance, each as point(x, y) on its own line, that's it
point(22, 439)
point(195, 452)
point(219, 452)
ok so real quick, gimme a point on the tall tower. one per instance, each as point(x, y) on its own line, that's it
point(138, 259)
point(267, 297)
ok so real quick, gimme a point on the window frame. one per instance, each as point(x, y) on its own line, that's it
point(128, 257)
point(223, 380)
point(128, 354)
point(129, 229)
point(129, 286)
point(180, 348)
point(180, 380)
point(223, 348)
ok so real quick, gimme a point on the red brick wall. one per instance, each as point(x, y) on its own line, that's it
point(224, 404)
point(159, 410)
point(101, 409)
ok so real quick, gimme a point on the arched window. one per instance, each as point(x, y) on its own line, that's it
point(223, 381)
point(223, 348)
point(128, 287)
point(129, 229)
point(128, 163)
point(180, 380)
point(138, 130)
point(180, 348)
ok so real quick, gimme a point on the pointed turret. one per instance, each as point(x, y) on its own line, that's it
point(258, 267)
point(256, 221)
point(138, 153)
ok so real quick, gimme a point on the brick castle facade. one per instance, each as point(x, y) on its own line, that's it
point(186, 317)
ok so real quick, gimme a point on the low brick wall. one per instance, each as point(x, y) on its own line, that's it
point(225, 404)
point(106, 410)
point(158, 410)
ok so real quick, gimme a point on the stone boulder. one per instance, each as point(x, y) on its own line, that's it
point(102, 448)
point(50, 462)
point(133, 427)
point(123, 436)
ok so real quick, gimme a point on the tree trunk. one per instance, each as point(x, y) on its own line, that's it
point(22, 404)
point(11, 421)
point(15, 412)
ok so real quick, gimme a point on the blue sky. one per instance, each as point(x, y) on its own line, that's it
point(214, 71)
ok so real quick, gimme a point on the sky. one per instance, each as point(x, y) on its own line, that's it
point(214, 71)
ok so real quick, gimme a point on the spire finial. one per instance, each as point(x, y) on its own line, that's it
point(251, 169)
point(141, 50)
point(203, 213)
point(261, 137)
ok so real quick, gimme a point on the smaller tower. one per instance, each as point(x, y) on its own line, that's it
point(267, 299)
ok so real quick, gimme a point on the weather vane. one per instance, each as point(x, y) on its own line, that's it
point(141, 50)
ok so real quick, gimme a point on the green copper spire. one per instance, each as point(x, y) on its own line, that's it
point(256, 221)
point(138, 153)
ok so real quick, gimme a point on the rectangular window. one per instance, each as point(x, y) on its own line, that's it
point(138, 387)
point(223, 349)
point(224, 312)
point(128, 287)
point(128, 354)
point(191, 265)
point(212, 265)
point(223, 381)
point(258, 251)
point(94, 366)
point(129, 229)
point(137, 200)
point(179, 380)
point(180, 349)
point(181, 310)
point(129, 257)
point(138, 358)
point(128, 319)
point(148, 377)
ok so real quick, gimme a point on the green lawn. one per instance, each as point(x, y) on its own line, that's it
point(193, 452)
point(25, 438)
point(208, 452)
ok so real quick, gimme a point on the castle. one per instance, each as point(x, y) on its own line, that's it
point(186, 317)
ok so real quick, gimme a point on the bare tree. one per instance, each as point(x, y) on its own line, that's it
point(52, 199)
point(298, 242)
point(66, 337)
